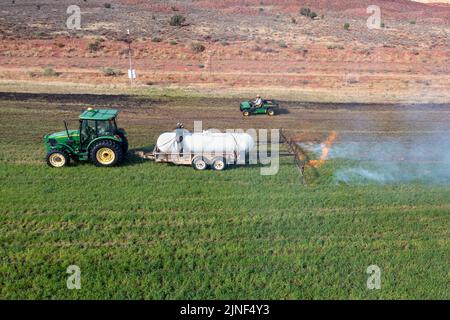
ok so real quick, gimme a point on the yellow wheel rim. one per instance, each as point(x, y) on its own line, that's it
point(57, 160)
point(246, 113)
point(105, 156)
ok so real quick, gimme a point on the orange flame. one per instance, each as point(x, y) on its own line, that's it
point(326, 146)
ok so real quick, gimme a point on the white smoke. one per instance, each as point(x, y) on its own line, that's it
point(423, 159)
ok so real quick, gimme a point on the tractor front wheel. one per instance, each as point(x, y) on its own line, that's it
point(106, 153)
point(245, 113)
point(58, 159)
point(270, 112)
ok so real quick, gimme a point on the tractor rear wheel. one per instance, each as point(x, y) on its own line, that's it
point(106, 153)
point(124, 143)
point(58, 159)
point(124, 146)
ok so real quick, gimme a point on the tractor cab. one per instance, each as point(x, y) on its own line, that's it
point(98, 140)
point(95, 124)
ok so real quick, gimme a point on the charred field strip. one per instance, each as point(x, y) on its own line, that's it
point(147, 230)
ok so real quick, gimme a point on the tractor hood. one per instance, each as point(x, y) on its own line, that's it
point(54, 139)
point(62, 135)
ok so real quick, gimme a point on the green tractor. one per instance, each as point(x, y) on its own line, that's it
point(98, 140)
point(268, 107)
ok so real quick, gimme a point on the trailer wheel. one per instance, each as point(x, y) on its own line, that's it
point(199, 164)
point(270, 112)
point(219, 164)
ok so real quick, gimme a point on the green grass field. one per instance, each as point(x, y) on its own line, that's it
point(155, 231)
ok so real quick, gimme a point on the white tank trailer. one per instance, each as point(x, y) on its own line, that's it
point(203, 149)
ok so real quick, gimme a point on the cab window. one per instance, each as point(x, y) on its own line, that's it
point(106, 128)
point(88, 131)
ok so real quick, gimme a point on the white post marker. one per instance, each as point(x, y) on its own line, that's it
point(132, 74)
point(131, 71)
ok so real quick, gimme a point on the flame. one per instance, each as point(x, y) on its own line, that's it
point(326, 146)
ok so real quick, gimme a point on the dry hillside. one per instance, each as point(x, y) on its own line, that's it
point(264, 45)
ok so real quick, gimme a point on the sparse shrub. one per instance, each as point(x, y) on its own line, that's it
point(173, 42)
point(256, 48)
point(424, 82)
point(107, 5)
point(177, 20)
point(366, 51)
point(352, 79)
point(347, 26)
point(305, 11)
point(197, 47)
point(174, 8)
point(224, 43)
point(111, 72)
point(49, 72)
point(60, 45)
point(412, 22)
point(335, 46)
point(32, 74)
point(95, 45)
point(293, 20)
point(123, 52)
point(156, 39)
point(282, 44)
point(261, 9)
point(268, 50)
point(201, 66)
point(301, 49)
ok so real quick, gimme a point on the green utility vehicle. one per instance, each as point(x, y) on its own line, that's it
point(268, 107)
point(98, 140)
